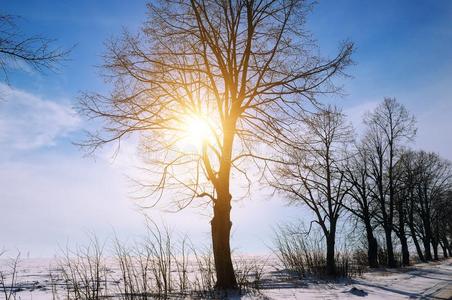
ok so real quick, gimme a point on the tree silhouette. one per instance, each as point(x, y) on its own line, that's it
point(361, 203)
point(313, 174)
point(389, 126)
point(233, 72)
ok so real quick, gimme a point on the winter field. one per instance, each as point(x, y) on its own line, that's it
point(275, 149)
point(42, 279)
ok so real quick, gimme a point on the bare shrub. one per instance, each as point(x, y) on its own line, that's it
point(204, 275)
point(350, 263)
point(157, 266)
point(54, 284)
point(84, 271)
point(134, 271)
point(158, 245)
point(299, 254)
point(302, 254)
point(8, 277)
point(249, 272)
point(182, 258)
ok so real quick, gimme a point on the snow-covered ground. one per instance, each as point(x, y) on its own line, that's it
point(422, 281)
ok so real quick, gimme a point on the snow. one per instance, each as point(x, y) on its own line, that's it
point(422, 281)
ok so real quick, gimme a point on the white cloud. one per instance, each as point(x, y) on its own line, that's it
point(29, 122)
point(50, 199)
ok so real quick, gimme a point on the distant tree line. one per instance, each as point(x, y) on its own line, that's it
point(376, 179)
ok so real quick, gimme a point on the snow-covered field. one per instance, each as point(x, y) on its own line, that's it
point(422, 281)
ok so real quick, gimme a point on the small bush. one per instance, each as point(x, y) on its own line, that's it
point(305, 255)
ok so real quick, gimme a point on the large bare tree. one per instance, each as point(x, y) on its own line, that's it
point(225, 75)
point(313, 174)
point(389, 127)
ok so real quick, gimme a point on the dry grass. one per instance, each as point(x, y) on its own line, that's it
point(304, 255)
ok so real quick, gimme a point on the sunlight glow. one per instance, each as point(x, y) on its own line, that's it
point(197, 131)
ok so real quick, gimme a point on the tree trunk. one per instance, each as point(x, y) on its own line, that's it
point(372, 247)
point(389, 248)
point(428, 231)
point(443, 247)
point(221, 222)
point(435, 249)
point(447, 246)
point(405, 251)
point(416, 243)
point(221, 229)
point(330, 259)
point(413, 233)
point(427, 250)
point(402, 234)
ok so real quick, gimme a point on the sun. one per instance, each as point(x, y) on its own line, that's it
point(197, 132)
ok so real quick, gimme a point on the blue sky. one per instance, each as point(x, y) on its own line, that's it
point(50, 193)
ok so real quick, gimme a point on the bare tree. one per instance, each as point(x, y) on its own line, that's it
point(431, 188)
point(231, 71)
point(361, 202)
point(389, 126)
point(313, 174)
point(16, 48)
point(408, 179)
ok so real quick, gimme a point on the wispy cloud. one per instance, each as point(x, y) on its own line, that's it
point(356, 113)
point(29, 122)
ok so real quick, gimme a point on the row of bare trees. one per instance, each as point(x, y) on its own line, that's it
point(403, 189)
point(376, 179)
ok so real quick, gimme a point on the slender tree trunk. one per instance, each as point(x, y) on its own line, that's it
point(427, 250)
point(427, 228)
point(221, 229)
point(389, 247)
point(416, 243)
point(435, 248)
point(372, 247)
point(427, 238)
point(413, 231)
point(405, 250)
point(403, 239)
point(447, 246)
point(435, 239)
point(443, 247)
point(388, 231)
